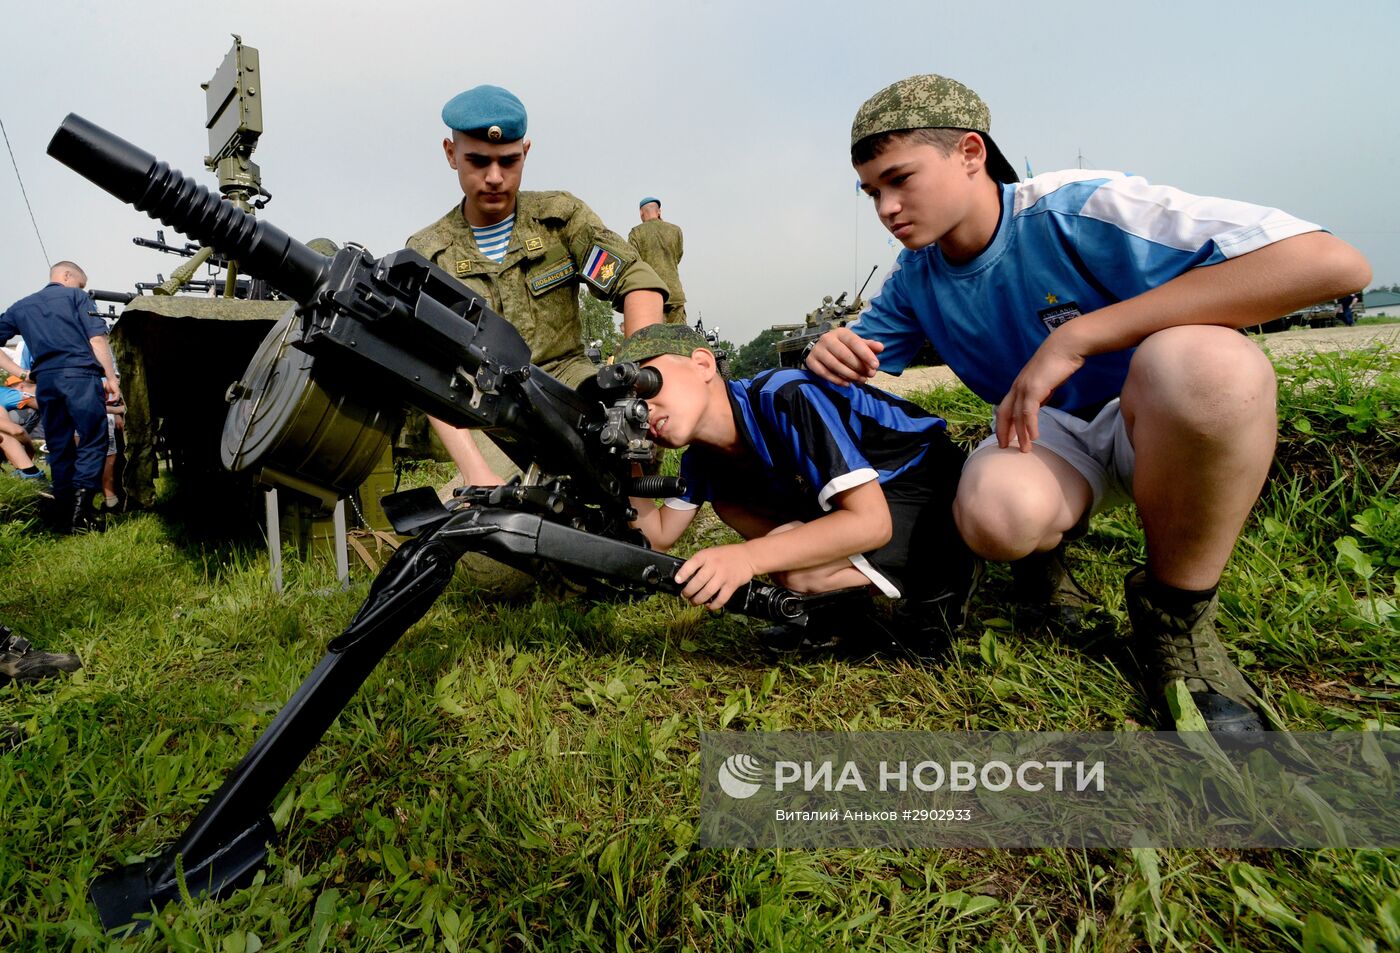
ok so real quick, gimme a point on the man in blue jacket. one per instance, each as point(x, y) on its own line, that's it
point(74, 376)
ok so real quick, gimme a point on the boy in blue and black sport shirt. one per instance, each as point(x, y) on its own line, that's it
point(832, 487)
point(1097, 312)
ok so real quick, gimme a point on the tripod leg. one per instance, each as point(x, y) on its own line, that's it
point(227, 843)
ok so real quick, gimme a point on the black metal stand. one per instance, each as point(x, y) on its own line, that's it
point(228, 842)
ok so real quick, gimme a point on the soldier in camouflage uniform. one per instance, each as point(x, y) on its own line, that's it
point(527, 253)
point(661, 245)
point(555, 245)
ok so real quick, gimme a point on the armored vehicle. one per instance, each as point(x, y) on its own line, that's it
point(831, 313)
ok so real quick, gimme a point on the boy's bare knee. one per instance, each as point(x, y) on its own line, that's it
point(1001, 526)
point(1204, 378)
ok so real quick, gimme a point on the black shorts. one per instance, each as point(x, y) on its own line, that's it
point(925, 554)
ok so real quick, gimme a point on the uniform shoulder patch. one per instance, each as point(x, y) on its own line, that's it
point(601, 268)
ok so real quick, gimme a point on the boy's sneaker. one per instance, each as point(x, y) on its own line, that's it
point(917, 628)
point(22, 662)
point(854, 640)
point(1041, 583)
point(1170, 646)
point(938, 618)
point(838, 629)
point(38, 481)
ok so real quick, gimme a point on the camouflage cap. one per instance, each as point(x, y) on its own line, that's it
point(657, 339)
point(488, 113)
point(930, 101)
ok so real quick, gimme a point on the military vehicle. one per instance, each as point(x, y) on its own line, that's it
point(830, 314)
point(834, 314)
point(184, 346)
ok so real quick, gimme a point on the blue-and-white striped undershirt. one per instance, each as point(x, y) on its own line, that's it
point(493, 240)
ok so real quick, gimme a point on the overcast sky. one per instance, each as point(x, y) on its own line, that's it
point(735, 113)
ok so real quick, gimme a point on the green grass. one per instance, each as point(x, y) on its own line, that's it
point(520, 777)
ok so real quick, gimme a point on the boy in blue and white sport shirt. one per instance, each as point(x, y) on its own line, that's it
point(832, 487)
point(1098, 313)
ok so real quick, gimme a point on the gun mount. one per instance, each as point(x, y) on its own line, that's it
point(441, 348)
point(179, 341)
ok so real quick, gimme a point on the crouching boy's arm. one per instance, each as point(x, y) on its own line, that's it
point(661, 525)
point(1251, 289)
point(859, 523)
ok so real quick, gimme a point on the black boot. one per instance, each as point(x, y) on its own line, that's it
point(22, 662)
point(85, 518)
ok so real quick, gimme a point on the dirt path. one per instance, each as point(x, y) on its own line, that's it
point(1283, 344)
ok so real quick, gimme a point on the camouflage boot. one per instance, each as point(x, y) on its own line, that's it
point(22, 662)
point(1170, 646)
point(1041, 583)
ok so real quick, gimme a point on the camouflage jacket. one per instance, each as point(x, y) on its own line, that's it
point(661, 245)
point(557, 243)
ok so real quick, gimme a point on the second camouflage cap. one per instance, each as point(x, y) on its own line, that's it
point(930, 101)
point(657, 339)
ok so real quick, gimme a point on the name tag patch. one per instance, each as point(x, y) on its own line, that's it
point(552, 277)
point(1057, 315)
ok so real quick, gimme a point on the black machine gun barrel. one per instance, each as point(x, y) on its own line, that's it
point(139, 179)
point(187, 250)
point(115, 297)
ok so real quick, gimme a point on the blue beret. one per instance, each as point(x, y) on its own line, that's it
point(486, 112)
point(648, 200)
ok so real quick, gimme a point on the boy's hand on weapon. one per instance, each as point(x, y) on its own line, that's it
point(1018, 414)
point(843, 357)
point(710, 576)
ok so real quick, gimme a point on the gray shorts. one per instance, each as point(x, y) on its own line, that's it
point(1098, 449)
